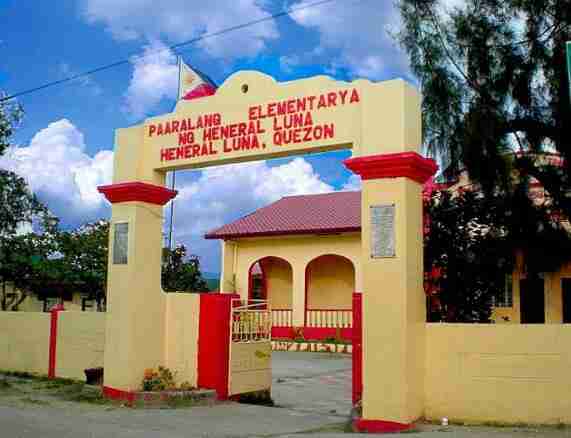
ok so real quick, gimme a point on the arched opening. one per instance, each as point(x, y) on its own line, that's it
point(330, 284)
point(271, 278)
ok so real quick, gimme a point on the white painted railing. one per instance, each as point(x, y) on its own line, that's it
point(282, 317)
point(251, 321)
point(326, 318)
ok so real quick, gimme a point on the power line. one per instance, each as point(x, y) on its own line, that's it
point(169, 48)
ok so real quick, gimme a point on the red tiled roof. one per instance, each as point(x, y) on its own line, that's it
point(306, 214)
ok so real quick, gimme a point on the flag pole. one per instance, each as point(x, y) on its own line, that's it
point(179, 63)
point(172, 211)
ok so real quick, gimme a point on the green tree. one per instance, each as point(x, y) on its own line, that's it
point(26, 265)
point(494, 79)
point(470, 245)
point(20, 209)
point(181, 273)
point(10, 115)
point(467, 255)
point(84, 253)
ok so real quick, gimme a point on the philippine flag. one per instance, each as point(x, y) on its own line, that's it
point(193, 84)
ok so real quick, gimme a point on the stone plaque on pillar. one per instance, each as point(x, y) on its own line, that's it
point(382, 231)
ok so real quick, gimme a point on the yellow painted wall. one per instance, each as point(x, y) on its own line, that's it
point(279, 279)
point(503, 373)
point(80, 343)
point(394, 307)
point(331, 283)
point(24, 341)
point(298, 251)
point(182, 318)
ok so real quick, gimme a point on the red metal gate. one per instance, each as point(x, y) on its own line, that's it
point(357, 348)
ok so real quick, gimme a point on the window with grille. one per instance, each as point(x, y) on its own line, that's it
point(505, 297)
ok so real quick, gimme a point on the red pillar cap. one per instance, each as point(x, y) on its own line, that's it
point(137, 191)
point(405, 164)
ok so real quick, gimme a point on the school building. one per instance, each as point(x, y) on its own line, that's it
point(302, 254)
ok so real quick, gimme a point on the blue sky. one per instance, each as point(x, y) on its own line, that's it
point(64, 144)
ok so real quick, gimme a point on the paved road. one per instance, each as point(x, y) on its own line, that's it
point(318, 383)
point(312, 390)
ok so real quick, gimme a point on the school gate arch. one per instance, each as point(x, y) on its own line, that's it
point(252, 117)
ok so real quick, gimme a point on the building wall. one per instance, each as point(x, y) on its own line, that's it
point(33, 304)
point(552, 294)
point(181, 343)
point(24, 341)
point(298, 251)
point(331, 283)
point(498, 373)
point(80, 343)
point(279, 285)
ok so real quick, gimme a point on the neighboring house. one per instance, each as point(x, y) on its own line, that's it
point(303, 254)
point(71, 301)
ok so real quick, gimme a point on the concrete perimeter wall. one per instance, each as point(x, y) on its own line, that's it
point(24, 341)
point(80, 343)
point(498, 373)
point(181, 343)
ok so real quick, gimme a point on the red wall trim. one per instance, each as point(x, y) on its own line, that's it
point(53, 340)
point(357, 368)
point(406, 164)
point(119, 394)
point(137, 191)
point(214, 342)
point(282, 332)
point(380, 426)
point(312, 333)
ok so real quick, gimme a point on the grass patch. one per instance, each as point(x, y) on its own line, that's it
point(81, 393)
point(35, 401)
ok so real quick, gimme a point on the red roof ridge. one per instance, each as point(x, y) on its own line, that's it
point(307, 195)
point(292, 215)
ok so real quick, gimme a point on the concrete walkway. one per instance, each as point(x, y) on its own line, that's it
point(312, 392)
point(317, 383)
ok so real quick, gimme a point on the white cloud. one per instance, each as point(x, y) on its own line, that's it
point(222, 194)
point(353, 183)
point(359, 32)
point(155, 77)
point(449, 5)
point(58, 169)
point(179, 20)
point(61, 173)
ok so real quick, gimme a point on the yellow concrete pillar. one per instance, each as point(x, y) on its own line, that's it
point(298, 291)
point(135, 306)
point(392, 173)
point(394, 312)
point(135, 331)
